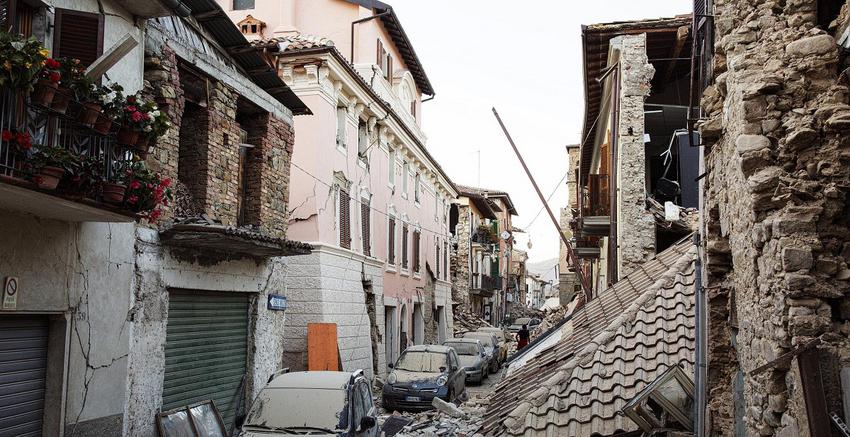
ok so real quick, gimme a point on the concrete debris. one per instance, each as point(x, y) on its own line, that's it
point(465, 321)
point(448, 420)
point(447, 408)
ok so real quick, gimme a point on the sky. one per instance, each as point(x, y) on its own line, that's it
point(523, 58)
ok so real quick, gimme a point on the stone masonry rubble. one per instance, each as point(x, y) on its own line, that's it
point(776, 213)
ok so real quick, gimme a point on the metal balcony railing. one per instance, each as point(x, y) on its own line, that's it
point(595, 198)
point(484, 282)
point(49, 128)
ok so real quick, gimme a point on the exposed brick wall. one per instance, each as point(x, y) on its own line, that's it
point(201, 151)
point(776, 211)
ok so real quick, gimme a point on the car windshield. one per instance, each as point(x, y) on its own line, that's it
point(464, 348)
point(297, 408)
point(485, 339)
point(416, 361)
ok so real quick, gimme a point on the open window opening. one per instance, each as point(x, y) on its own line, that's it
point(253, 122)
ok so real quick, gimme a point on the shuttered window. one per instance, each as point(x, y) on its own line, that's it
point(416, 257)
point(78, 35)
point(437, 255)
point(384, 61)
point(391, 241)
point(206, 350)
point(344, 219)
point(404, 246)
point(445, 260)
point(366, 224)
point(23, 371)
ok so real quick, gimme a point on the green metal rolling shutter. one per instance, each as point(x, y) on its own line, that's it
point(23, 366)
point(205, 350)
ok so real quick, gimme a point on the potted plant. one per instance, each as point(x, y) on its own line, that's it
point(147, 192)
point(154, 125)
point(90, 96)
point(49, 164)
point(72, 73)
point(131, 117)
point(20, 141)
point(86, 176)
point(24, 62)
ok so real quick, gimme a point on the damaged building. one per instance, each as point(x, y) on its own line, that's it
point(636, 155)
point(110, 317)
point(365, 191)
point(774, 121)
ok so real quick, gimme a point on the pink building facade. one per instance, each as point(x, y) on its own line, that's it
point(364, 190)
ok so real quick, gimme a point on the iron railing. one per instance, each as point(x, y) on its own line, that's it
point(485, 282)
point(48, 128)
point(595, 198)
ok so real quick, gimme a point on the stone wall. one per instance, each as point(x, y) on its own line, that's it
point(635, 225)
point(459, 259)
point(776, 213)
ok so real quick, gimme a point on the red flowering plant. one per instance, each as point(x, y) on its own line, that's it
point(131, 112)
point(148, 193)
point(21, 141)
point(51, 71)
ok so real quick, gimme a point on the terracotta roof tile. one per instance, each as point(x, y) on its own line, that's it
point(294, 42)
point(621, 341)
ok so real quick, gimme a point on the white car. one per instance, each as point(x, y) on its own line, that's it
point(314, 404)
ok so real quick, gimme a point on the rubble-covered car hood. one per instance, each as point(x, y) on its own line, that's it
point(470, 360)
point(405, 377)
point(265, 433)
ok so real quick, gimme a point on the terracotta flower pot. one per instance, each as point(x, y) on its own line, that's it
point(61, 100)
point(103, 124)
point(43, 92)
point(114, 193)
point(143, 145)
point(127, 136)
point(48, 177)
point(89, 113)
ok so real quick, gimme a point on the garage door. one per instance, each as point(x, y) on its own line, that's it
point(205, 350)
point(23, 365)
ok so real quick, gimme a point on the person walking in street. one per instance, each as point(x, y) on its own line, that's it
point(522, 337)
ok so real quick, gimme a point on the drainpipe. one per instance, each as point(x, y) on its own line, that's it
point(700, 368)
point(362, 20)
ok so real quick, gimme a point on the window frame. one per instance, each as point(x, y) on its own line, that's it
point(391, 240)
point(233, 5)
point(366, 224)
point(341, 127)
point(405, 246)
point(405, 173)
point(341, 201)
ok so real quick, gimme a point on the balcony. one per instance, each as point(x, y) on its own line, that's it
point(587, 247)
point(485, 285)
point(75, 199)
point(595, 206)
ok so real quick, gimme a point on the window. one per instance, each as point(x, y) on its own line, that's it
point(385, 61)
point(241, 5)
point(445, 260)
point(366, 225)
point(437, 256)
point(404, 245)
point(344, 218)
point(405, 170)
point(73, 36)
point(416, 257)
point(243, 199)
point(417, 188)
point(362, 139)
point(391, 240)
point(341, 115)
point(391, 166)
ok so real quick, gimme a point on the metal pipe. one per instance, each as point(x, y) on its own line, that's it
point(570, 253)
point(362, 20)
point(700, 340)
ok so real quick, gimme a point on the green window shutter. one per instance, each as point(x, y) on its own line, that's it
point(206, 350)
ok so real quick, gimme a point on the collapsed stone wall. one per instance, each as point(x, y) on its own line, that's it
point(459, 259)
point(776, 215)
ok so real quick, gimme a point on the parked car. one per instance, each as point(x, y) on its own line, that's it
point(491, 347)
point(530, 322)
point(315, 404)
point(422, 373)
point(501, 337)
point(472, 357)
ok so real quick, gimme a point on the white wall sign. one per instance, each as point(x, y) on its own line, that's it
point(10, 293)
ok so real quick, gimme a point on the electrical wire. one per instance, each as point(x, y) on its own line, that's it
point(547, 200)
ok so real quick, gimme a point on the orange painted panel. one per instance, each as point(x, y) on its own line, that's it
point(322, 348)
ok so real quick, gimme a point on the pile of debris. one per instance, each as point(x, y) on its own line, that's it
point(465, 321)
point(446, 419)
point(554, 317)
point(518, 311)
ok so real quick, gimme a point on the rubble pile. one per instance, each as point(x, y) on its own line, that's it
point(465, 321)
point(551, 319)
point(448, 419)
point(518, 311)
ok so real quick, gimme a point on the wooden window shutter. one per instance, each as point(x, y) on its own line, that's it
point(437, 258)
point(391, 241)
point(404, 246)
point(365, 219)
point(78, 35)
point(344, 219)
point(445, 260)
point(389, 71)
point(416, 260)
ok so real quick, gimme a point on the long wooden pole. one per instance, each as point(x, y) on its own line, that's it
point(585, 285)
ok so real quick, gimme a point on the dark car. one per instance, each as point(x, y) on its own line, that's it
point(422, 373)
point(491, 347)
point(472, 357)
